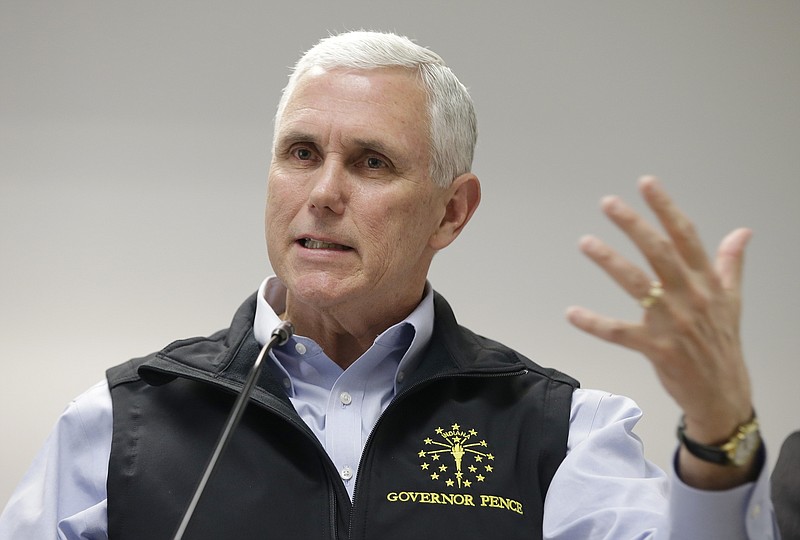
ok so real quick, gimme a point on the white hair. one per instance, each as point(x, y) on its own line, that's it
point(451, 115)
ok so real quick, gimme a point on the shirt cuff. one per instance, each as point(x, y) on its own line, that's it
point(724, 509)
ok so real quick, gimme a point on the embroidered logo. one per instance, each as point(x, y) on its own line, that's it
point(456, 457)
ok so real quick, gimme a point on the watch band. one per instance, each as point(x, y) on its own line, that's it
point(735, 451)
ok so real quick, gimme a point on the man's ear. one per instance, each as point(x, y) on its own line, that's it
point(464, 195)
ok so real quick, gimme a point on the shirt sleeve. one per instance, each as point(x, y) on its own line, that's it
point(63, 493)
point(605, 488)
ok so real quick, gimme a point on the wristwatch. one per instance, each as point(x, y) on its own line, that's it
point(736, 451)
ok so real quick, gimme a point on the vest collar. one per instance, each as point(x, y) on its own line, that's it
point(224, 358)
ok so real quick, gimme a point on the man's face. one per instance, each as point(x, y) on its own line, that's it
point(351, 209)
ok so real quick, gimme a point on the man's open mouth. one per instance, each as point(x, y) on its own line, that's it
point(318, 244)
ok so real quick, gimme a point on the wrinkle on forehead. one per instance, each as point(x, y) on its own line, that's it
point(372, 109)
point(363, 87)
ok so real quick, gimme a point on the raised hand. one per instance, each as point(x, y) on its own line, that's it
point(689, 328)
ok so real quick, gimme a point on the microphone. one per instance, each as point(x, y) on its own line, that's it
point(279, 336)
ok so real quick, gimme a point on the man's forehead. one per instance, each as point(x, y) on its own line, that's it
point(365, 108)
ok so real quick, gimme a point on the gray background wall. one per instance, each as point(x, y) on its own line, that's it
point(134, 146)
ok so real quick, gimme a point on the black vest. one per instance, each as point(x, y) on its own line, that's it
point(466, 450)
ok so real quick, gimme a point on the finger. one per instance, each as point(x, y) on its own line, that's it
point(677, 225)
point(729, 263)
point(630, 277)
point(612, 330)
point(659, 251)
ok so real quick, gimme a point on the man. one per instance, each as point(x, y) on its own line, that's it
point(786, 487)
point(382, 418)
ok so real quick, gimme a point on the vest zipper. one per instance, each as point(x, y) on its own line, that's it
point(302, 427)
point(399, 397)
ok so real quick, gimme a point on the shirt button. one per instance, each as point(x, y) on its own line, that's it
point(400, 377)
point(347, 473)
point(287, 383)
point(345, 398)
point(756, 511)
point(300, 348)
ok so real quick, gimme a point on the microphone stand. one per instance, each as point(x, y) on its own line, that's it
point(279, 336)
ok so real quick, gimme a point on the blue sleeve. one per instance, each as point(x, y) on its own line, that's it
point(63, 493)
point(605, 488)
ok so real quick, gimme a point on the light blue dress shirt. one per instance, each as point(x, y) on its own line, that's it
point(341, 406)
point(605, 488)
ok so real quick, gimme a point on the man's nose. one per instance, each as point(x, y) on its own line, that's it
point(329, 190)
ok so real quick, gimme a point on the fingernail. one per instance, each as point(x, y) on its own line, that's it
point(609, 202)
point(574, 314)
point(648, 181)
point(587, 243)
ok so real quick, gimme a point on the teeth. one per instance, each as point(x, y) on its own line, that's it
point(316, 244)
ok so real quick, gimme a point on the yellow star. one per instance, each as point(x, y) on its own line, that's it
point(480, 478)
point(442, 468)
point(473, 432)
point(439, 430)
point(449, 482)
point(478, 458)
point(435, 457)
point(489, 468)
point(490, 456)
point(428, 441)
point(425, 466)
point(435, 476)
point(421, 453)
point(456, 427)
point(472, 468)
point(483, 443)
point(467, 483)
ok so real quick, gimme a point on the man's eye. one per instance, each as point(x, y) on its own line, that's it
point(375, 163)
point(303, 154)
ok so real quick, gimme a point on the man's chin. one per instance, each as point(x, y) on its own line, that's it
point(321, 290)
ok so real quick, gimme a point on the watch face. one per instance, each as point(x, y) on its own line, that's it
point(745, 448)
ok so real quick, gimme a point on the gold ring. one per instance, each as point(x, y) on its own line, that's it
point(653, 295)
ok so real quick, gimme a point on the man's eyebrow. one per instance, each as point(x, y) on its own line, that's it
point(289, 138)
point(375, 145)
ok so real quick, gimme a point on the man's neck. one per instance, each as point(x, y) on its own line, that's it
point(343, 333)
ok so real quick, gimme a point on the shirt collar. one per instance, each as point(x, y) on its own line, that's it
point(271, 301)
